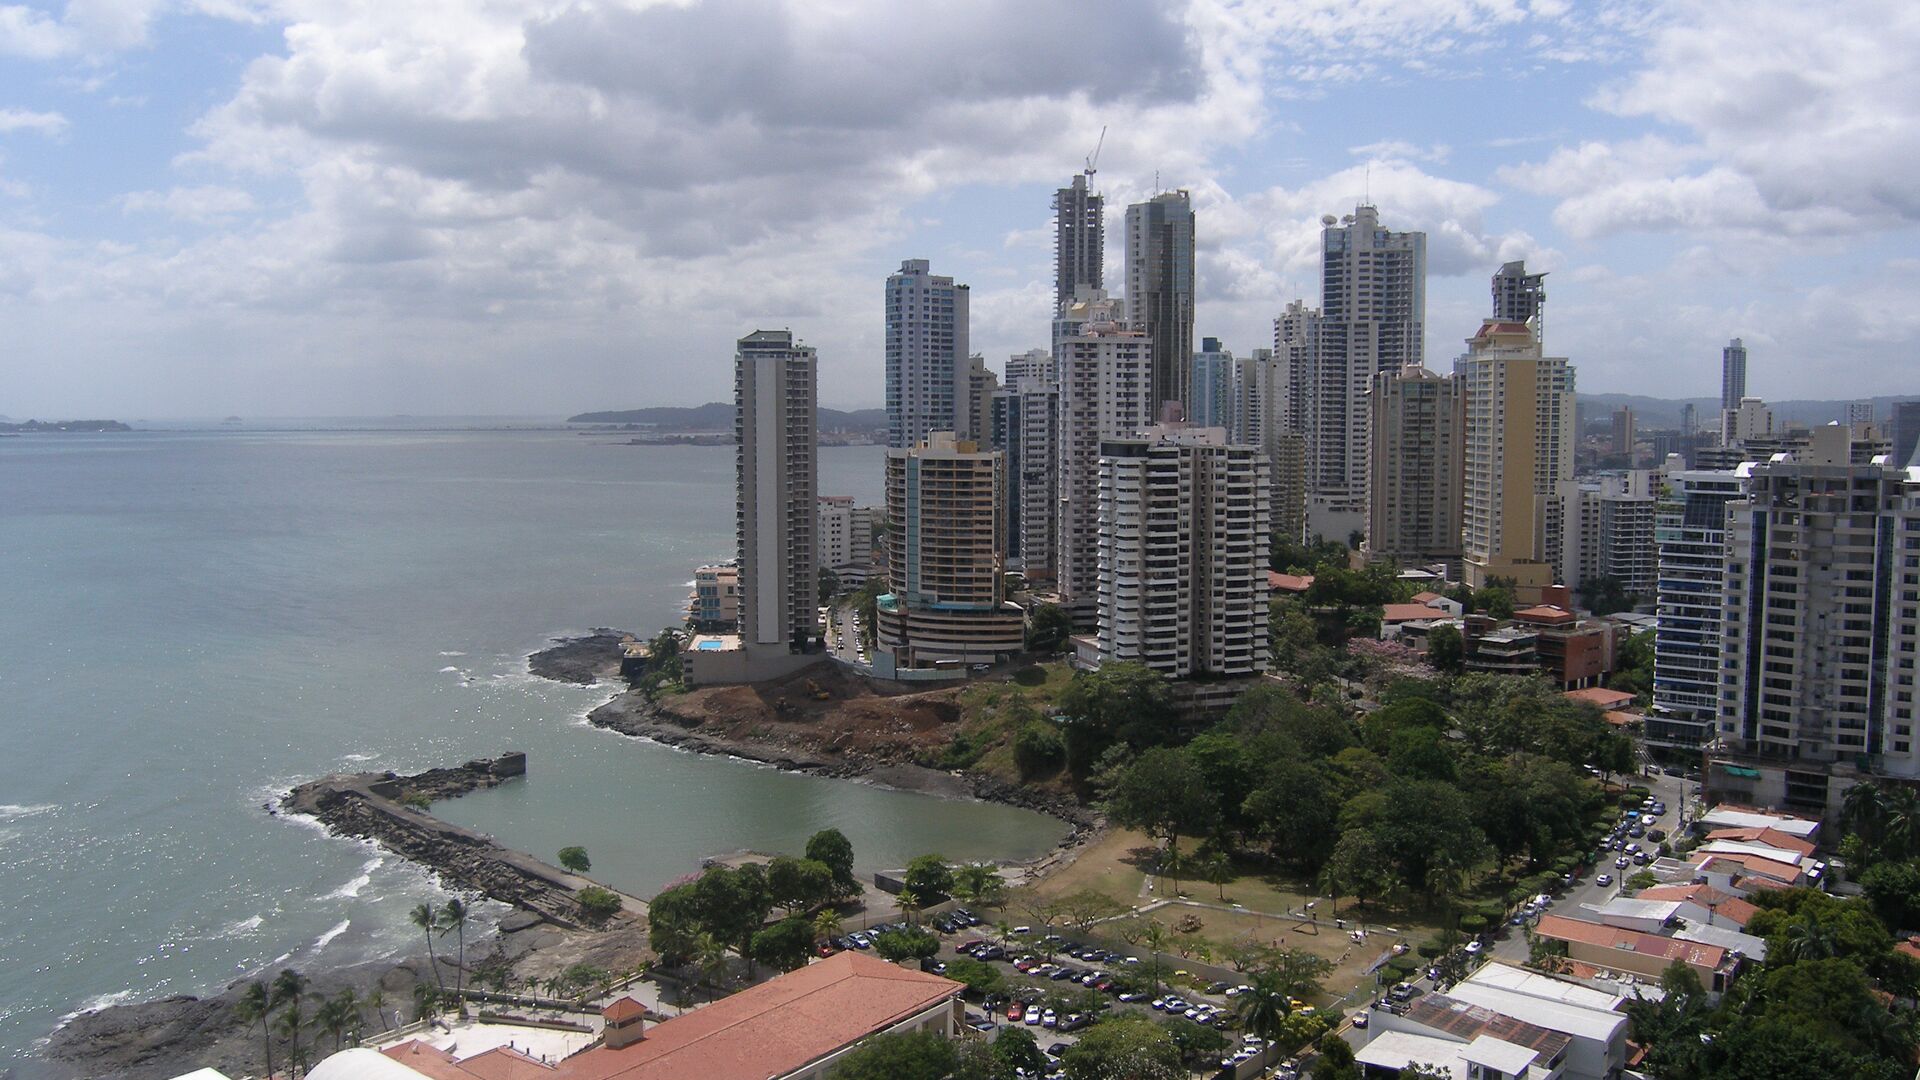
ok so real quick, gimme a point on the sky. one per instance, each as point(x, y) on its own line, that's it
point(362, 207)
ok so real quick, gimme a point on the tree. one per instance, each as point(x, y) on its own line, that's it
point(829, 583)
point(1420, 753)
point(1445, 649)
point(1163, 793)
point(1048, 628)
point(288, 988)
point(377, 1001)
point(1360, 867)
point(424, 917)
point(1495, 600)
point(1128, 1048)
point(673, 923)
point(1893, 888)
point(1216, 869)
point(575, 859)
point(1295, 972)
point(598, 903)
point(453, 919)
point(332, 1018)
point(978, 883)
point(1263, 1009)
point(910, 944)
point(799, 883)
point(1336, 1060)
point(1295, 812)
point(920, 1055)
point(710, 953)
point(930, 877)
point(256, 1006)
point(826, 925)
point(1015, 1049)
point(831, 847)
point(1193, 1041)
point(1127, 703)
point(426, 1001)
point(981, 979)
point(1083, 909)
point(785, 945)
point(1038, 750)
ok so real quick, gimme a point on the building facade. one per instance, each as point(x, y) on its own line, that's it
point(1416, 466)
point(1160, 289)
point(927, 351)
point(1820, 628)
point(1521, 297)
point(1209, 399)
point(1733, 375)
point(776, 478)
point(1079, 240)
point(1183, 534)
point(946, 557)
point(1607, 531)
point(845, 534)
point(1032, 364)
point(982, 384)
point(1519, 448)
point(1025, 431)
point(1690, 528)
point(714, 603)
point(1373, 311)
point(1106, 382)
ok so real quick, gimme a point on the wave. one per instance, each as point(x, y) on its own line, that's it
point(358, 757)
point(352, 888)
point(332, 932)
point(448, 668)
point(245, 926)
point(452, 652)
point(98, 1002)
point(14, 811)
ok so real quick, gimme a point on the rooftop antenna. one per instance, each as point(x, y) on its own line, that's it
point(1367, 195)
point(1093, 159)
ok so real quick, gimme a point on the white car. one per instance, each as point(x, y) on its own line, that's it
point(1603, 880)
point(1474, 947)
point(1032, 1015)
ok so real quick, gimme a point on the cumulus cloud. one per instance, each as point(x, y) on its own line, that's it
point(45, 123)
point(197, 204)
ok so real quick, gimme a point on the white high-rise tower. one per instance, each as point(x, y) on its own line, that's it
point(928, 376)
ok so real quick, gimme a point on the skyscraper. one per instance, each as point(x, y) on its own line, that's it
point(776, 488)
point(1818, 629)
point(927, 373)
point(946, 551)
point(1160, 284)
point(1296, 340)
point(1906, 433)
point(1690, 531)
point(1183, 553)
point(1520, 297)
point(1212, 387)
point(1373, 310)
point(1415, 458)
point(1733, 375)
point(1623, 433)
point(1032, 364)
point(1106, 378)
point(1519, 447)
point(1079, 240)
point(976, 419)
point(1025, 431)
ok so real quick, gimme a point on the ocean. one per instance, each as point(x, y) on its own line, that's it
point(192, 621)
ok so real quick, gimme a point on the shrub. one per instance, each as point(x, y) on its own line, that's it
point(1473, 923)
point(1430, 949)
point(1038, 750)
point(598, 903)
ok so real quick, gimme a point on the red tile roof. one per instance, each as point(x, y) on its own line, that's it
point(1773, 838)
point(774, 1028)
point(1399, 613)
point(624, 1009)
point(1427, 597)
point(1289, 582)
point(1696, 954)
point(1911, 947)
point(428, 1060)
point(1722, 904)
point(1544, 613)
point(1601, 696)
point(505, 1063)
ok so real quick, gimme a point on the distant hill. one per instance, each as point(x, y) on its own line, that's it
point(1652, 412)
point(718, 416)
point(65, 425)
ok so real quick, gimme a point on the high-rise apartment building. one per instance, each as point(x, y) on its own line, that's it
point(1623, 433)
point(1079, 240)
point(1106, 384)
point(1032, 364)
point(1607, 531)
point(1212, 386)
point(1733, 375)
point(845, 533)
point(1820, 629)
point(982, 384)
point(1416, 462)
point(1373, 310)
point(1860, 414)
point(776, 478)
point(1025, 431)
point(946, 559)
point(1520, 297)
point(1748, 421)
point(1160, 288)
point(1519, 447)
point(1906, 433)
point(1183, 553)
point(1287, 484)
point(1690, 528)
point(927, 371)
point(1256, 398)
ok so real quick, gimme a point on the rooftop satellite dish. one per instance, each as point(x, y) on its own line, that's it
point(1328, 220)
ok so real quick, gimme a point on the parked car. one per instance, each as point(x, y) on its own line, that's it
point(1603, 880)
point(1057, 1049)
point(1474, 947)
point(1049, 1018)
point(1360, 1019)
point(1621, 863)
point(1032, 1015)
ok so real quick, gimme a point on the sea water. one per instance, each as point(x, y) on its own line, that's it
point(193, 621)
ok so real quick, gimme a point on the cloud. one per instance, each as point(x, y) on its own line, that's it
point(45, 123)
point(1400, 150)
point(196, 204)
point(1794, 122)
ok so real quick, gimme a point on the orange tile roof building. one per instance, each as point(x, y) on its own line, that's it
point(794, 1027)
point(1636, 952)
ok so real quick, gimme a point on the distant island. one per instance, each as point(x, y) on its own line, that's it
point(31, 427)
point(717, 416)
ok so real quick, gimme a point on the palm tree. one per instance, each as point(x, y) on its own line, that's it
point(289, 1025)
point(349, 1003)
point(910, 904)
point(1900, 827)
point(826, 925)
point(977, 883)
point(1263, 1009)
point(423, 917)
point(256, 1005)
point(453, 917)
point(1155, 935)
point(377, 1001)
point(1809, 939)
point(288, 987)
point(332, 1019)
point(426, 1001)
point(711, 954)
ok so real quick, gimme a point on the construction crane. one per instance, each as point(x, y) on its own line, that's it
point(1094, 157)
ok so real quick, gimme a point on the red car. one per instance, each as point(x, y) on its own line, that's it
point(1015, 1011)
